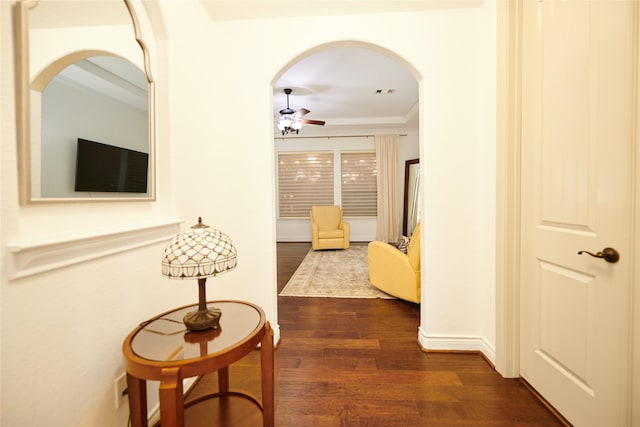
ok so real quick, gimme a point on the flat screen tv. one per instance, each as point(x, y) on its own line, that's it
point(107, 168)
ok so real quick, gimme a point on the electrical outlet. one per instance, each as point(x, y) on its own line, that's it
point(120, 389)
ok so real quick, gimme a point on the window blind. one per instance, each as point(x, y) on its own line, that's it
point(304, 180)
point(359, 183)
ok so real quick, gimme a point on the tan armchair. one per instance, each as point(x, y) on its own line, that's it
point(394, 272)
point(328, 230)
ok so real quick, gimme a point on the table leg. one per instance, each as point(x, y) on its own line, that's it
point(137, 392)
point(223, 379)
point(171, 398)
point(266, 366)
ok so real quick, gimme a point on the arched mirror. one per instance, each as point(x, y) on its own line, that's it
point(411, 215)
point(86, 104)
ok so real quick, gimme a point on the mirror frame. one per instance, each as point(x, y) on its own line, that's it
point(23, 114)
point(407, 175)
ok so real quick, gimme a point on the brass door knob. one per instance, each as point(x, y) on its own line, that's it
point(608, 254)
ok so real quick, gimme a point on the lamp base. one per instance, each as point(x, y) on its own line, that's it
point(203, 319)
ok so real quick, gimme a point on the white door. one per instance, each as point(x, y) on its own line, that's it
point(577, 130)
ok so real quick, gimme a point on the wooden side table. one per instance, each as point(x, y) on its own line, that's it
point(162, 349)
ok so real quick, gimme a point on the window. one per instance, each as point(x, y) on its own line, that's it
point(307, 178)
point(359, 183)
point(304, 179)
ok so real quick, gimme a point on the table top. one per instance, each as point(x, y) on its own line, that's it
point(165, 338)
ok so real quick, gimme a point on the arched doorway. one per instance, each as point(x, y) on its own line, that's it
point(323, 81)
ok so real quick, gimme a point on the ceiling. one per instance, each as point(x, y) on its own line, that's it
point(226, 10)
point(110, 76)
point(340, 86)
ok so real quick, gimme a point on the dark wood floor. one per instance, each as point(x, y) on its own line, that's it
point(356, 362)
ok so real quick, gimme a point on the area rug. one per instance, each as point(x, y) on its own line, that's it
point(333, 274)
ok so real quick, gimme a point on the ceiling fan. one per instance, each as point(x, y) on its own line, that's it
point(291, 120)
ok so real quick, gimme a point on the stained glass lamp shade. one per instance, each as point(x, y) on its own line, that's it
point(199, 252)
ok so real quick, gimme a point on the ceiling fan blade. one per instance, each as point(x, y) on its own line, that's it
point(301, 112)
point(313, 122)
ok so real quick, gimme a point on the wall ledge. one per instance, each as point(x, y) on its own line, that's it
point(36, 257)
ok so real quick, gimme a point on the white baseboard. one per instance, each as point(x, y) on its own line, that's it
point(153, 414)
point(456, 343)
point(153, 417)
point(276, 334)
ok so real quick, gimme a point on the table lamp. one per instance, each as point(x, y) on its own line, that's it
point(199, 252)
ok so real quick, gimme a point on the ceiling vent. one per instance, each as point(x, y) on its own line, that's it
point(385, 91)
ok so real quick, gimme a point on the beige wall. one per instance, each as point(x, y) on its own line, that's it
point(211, 76)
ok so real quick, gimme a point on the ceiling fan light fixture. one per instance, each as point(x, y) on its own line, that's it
point(291, 121)
point(289, 124)
point(285, 121)
point(287, 117)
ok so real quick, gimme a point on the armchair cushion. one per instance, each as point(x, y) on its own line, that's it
point(331, 234)
point(394, 272)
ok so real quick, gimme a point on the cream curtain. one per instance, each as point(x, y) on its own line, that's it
point(388, 222)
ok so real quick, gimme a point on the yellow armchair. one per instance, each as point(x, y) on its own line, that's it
point(328, 230)
point(394, 272)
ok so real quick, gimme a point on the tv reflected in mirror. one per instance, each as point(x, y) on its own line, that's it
point(107, 168)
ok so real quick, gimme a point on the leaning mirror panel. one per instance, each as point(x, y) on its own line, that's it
point(411, 216)
point(90, 120)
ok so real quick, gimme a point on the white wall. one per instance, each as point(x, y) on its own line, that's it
point(362, 229)
point(204, 153)
point(458, 127)
point(77, 277)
